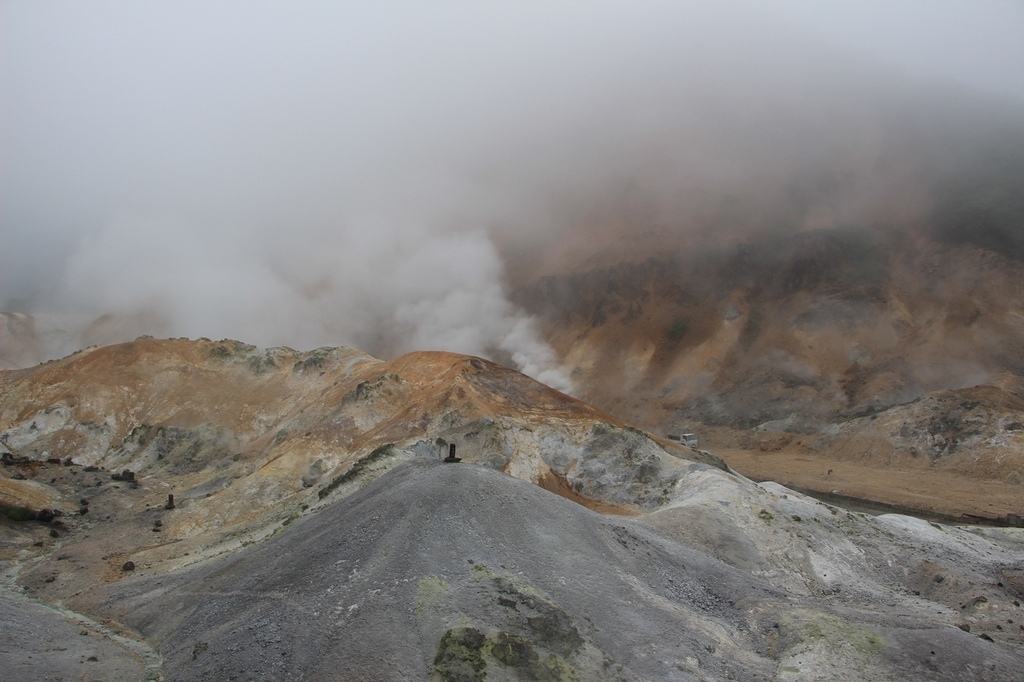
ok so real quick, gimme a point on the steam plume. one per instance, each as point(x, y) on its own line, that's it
point(328, 174)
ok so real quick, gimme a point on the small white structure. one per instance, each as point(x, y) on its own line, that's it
point(687, 439)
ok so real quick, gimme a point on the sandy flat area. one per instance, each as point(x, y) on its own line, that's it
point(934, 491)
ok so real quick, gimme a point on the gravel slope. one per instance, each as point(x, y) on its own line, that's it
point(461, 572)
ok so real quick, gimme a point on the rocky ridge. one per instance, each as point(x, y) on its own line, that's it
point(313, 528)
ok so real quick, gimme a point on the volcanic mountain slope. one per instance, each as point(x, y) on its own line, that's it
point(314, 532)
point(275, 423)
point(794, 344)
point(798, 333)
point(832, 275)
point(459, 572)
point(244, 438)
point(826, 325)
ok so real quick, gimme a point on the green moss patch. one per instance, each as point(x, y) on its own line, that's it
point(460, 656)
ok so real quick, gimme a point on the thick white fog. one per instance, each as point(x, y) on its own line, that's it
point(326, 173)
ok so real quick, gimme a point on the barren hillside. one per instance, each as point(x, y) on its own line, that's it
point(816, 294)
point(801, 340)
point(200, 509)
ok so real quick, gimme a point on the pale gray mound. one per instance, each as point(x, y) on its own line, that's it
point(459, 572)
point(39, 642)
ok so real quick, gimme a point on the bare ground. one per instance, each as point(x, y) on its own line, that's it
point(900, 484)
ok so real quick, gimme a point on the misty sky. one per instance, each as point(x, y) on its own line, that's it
point(327, 173)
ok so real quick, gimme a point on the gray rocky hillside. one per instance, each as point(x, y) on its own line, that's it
point(210, 510)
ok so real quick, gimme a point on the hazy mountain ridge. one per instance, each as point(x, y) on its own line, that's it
point(837, 272)
point(797, 333)
point(843, 308)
